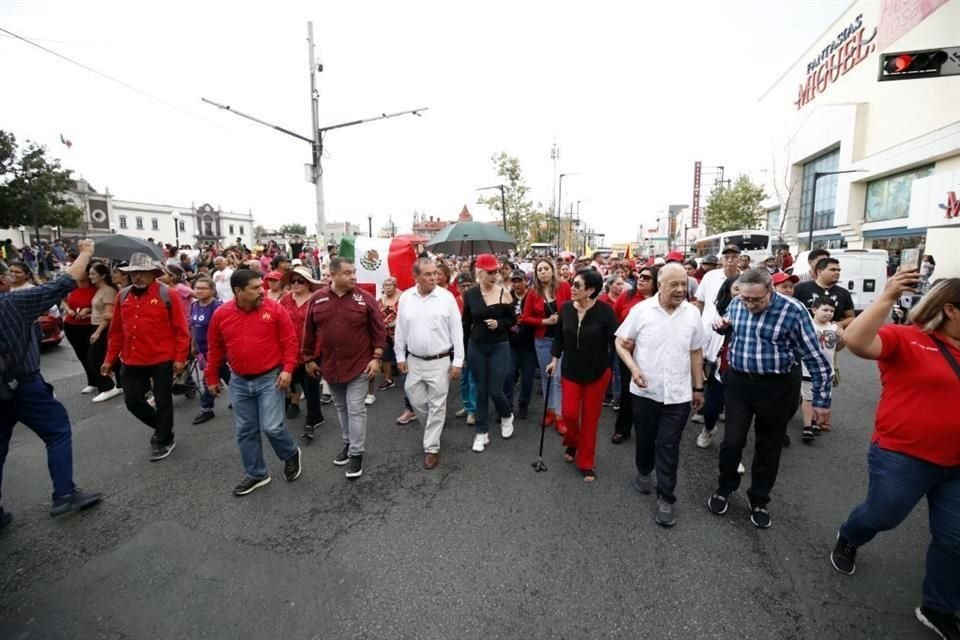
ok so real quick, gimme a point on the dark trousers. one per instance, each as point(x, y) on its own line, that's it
point(33, 404)
point(95, 356)
point(768, 402)
point(78, 335)
point(659, 430)
point(523, 362)
point(489, 364)
point(137, 381)
point(897, 483)
point(712, 404)
point(311, 393)
point(625, 417)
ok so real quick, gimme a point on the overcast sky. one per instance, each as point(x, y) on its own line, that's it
point(632, 93)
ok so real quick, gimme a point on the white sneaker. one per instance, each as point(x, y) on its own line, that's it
point(703, 440)
point(461, 413)
point(480, 441)
point(106, 395)
point(370, 399)
point(741, 469)
point(697, 417)
point(723, 417)
point(506, 427)
point(88, 389)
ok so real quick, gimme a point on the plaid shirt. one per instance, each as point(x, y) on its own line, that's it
point(769, 343)
point(19, 311)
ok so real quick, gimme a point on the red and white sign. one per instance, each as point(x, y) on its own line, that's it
point(695, 210)
point(935, 201)
point(849, 48)
point(898, 17)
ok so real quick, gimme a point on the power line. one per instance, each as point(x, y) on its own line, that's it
point(102, 75)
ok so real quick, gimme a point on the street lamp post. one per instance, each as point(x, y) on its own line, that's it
point(559, 208)
point(813, 198)
point(23, 238)
point(503, 202)
point(176, 227)
point(370, 225)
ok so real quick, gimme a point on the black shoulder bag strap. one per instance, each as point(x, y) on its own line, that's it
point(947, 355)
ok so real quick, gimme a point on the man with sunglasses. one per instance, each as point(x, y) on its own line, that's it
point(769, 333)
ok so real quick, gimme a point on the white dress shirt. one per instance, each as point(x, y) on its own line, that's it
point(428, 325)
point(221, 281)
point(663, 342)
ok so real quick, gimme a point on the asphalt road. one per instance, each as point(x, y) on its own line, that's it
point(481, 547)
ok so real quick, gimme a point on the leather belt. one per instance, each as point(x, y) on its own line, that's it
point(448, 354)
point(254, 376)
point(762, 376)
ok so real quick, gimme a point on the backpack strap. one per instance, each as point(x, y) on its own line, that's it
point(947, 355)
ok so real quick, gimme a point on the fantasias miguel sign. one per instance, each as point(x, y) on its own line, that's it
point(850, 47)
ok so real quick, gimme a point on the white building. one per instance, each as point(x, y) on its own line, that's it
point(828, 112)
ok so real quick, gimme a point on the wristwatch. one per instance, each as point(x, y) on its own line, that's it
point(698, 389)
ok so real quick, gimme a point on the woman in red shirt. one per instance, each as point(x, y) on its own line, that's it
point(77, 307)
point(541, 310)
point(296, 304)
point(643, 286)
point(915, 447)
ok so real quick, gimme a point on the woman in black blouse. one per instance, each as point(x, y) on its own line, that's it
point(584, 338)
point(488, 314)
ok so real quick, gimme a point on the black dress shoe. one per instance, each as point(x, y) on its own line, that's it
point(522, 413)
point(203, 416)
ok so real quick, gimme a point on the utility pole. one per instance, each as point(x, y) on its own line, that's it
point(317, 143)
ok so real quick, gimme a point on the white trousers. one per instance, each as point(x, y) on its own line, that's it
point(426, 387)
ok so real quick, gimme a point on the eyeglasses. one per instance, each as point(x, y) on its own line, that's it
point(747, 300)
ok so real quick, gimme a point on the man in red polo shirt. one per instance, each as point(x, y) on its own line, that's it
point(149, 332)
point(345, 327)
point(257, 338)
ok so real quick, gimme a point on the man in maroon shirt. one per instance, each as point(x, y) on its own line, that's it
point(343, 339)
point(248, 331)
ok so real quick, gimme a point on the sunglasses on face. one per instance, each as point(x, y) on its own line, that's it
point(645, 277)
point(298, 281)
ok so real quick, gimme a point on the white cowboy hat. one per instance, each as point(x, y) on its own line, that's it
point(142, 262)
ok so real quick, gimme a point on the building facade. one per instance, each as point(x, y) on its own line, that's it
point(427, 227)
point(897, 142)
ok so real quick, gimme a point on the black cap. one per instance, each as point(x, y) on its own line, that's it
point(711, 259)
point(518, 274)
point(730, 248)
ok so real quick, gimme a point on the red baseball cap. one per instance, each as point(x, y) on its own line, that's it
point(273, 275)
point(674, 256)
point(781, 277)
point(487, 262)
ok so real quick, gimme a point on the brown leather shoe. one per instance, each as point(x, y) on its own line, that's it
point(431, 460)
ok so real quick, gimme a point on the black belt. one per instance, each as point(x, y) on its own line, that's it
point(448, 354)
point(254, 376)
point(762, 376)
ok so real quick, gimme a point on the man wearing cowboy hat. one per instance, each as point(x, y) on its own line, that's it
point(149, 332)
point(300, 284)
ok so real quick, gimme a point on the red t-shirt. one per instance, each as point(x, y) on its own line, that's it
point(625, 302)
point(79, 299)
point(919, 409)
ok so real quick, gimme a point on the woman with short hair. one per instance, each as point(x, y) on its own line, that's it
point(915, 447)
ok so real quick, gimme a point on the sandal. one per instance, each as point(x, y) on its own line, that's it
point(619, 438)
point(589, 475)
point(569, 454)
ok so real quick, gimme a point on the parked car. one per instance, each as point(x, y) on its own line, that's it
point(51, 328)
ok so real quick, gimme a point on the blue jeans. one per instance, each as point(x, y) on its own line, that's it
point(33, 404)
point(526, 361)
point(206, 398)
point(258, 406)
point(542, 346)
point(897, 482)
point(489, 364)
point(613, 390)
point(468, 388)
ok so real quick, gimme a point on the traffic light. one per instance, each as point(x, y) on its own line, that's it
point(928, 63)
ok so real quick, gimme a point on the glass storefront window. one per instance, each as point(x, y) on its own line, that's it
point(825, 205)
point(889, 198)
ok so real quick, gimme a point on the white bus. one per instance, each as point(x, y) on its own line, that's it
point(754, 243)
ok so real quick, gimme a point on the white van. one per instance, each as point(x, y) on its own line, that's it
point(862, 271)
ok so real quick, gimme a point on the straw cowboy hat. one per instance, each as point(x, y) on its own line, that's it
point(301, 271)
point(142, 262)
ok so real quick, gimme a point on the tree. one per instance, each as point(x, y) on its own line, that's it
point(525, 222)
point(735, 207)
point(293, 230)
point(33, 188)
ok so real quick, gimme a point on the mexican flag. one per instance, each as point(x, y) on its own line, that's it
point(378, 258)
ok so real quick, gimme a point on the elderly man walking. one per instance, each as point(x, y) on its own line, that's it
point(149, 333)
point(661, 342)
point(769, 333)
point(343, 339)
point(256, 336)
point(429, 349)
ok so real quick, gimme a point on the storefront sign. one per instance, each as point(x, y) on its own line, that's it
point(850, 47)
point(934, 201)
point(952, 208)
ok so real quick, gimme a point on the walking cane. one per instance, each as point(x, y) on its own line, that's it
point(538, 465)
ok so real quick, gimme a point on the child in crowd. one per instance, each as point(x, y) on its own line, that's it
point(830, 342)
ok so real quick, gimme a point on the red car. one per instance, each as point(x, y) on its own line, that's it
point(51, 328)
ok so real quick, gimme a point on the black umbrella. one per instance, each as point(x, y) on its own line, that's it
point(471, 238)
point(119, 247)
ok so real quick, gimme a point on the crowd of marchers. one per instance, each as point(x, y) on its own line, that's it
point(663, 342)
